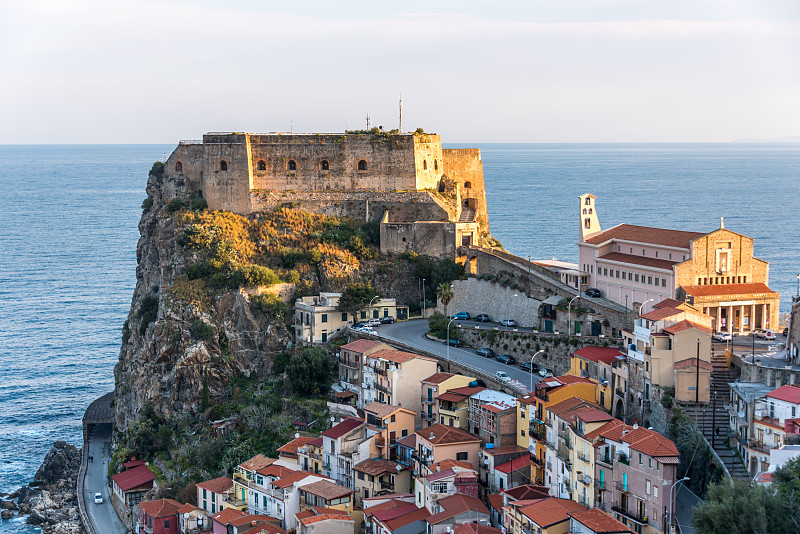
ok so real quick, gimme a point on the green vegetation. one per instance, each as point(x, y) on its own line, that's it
point(356, 297)
point(444, 292)
point(148, 311)
point(147, 204)
point(157, 169)
point(201, 330)
point(310, 371)
point(742, 507)
point(437, 323)
point(269, 305)
point(175, 204)
point(436, 272)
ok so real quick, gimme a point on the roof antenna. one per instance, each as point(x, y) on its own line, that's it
point(400, 117)
point(367, 121)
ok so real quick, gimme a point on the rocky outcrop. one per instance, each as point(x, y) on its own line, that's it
point(51, 501)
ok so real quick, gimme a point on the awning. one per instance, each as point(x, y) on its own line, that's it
point(344, 394)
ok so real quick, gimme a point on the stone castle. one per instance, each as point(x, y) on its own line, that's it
point(427, 199)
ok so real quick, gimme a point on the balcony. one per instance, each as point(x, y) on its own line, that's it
point(350, 363)
point(600, 484)
point(426, 416)
point(387, 486)
point(636, 516)
point(582, 456)
point(537, 461)
point(383, 389)
point(761, 446)
point(425, 398)
point(619, 393)
point(624, 459)
point(605, 460)
point(621, 487)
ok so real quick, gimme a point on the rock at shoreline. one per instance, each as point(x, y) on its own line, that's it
point(62, 461)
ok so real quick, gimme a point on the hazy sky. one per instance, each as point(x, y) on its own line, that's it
point(141, 71)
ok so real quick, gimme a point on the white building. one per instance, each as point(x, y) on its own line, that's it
point(317, 318)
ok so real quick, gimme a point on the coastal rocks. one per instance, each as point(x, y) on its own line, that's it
point(62, 458)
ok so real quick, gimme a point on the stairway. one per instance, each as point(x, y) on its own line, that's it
point(467, 215)
point(706, 416)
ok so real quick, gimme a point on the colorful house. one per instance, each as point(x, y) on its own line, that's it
point(159, 517)
point(129, 487)
point(434, 386)
point(389, 423)
point(212, 494)
point(243, 475)
point(596, 364)
point(438, 442)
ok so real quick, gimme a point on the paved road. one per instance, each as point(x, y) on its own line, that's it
point(685, 501)
point(103, 516)
point(413, 333)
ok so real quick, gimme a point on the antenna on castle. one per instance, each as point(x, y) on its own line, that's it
point(367, 121)
point(400, 116)
point(291, 126)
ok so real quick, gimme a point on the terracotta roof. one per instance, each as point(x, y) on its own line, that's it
point(438, 378)
point(496, 502)
point(296, 443)
point(227, 515)
point(134, 478)
point(291, 478)
point(691, 362)
point(457, 504)
point(650, 442)
point(439, 434)
point(377, 466)
point(661, 313)
point(646, 234)
point(275, 470)
point(391, 503)
point(448, 464)
point(474, 528)
point(786, 393)
point(763, 478)
point(599, 521)
point(266, 528)
point(399, 522)
point(161, 508)
point(467, 390)
point(572, 379)
point(607, 355)
point(346, 426)
point(382, 409)
point(527, 491)
point(438, 475)
point(514, 465)
point(316, 442)
point(593, 416)
point(669, 303)
point(645, 261)
point(397, 356)
point(686, 325)
point(451, 396)
point(387, 514)
point(728, 290)
point(259, 461)
point(216, 485)
point(505, 449)
point(611, 430)
point(361, 345)
point(133, 463)
point(326, 489)
point(344, 394)
point(550, 511)
point(408, 441)
point(391, 496)
point(325, 517)
point(567, 407)
point(250, 518)
point(187, 508)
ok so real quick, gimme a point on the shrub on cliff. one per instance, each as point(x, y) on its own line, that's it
point(310, 371)
point(254, 275)
point(174, 205)
point(147, 204)
point(157, 169)
point(269, 305)
point(201, 330)
point(148, 311)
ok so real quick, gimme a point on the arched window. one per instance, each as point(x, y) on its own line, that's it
point(362, 165)
point(223, 165)
point(178, 166)
point(261, 165)
point(467, 185)
point(292, 165)
point(424, 165)
point(435, 165)
point(323, 165)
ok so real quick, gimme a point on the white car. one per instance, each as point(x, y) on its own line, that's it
point(98, 498)
point(366, 329)
point(769, 335)
point(374, 322)
point(508, 322)
point(721, 337)
point(502, 376)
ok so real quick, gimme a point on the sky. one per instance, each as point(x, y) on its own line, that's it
point(142, 71)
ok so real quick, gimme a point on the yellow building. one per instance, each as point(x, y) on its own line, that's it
point(582, 469)
point(540, 516)
point(309, 456)
point(326, 494)
point(243, 476)
point(391, 424)
point(431, 388)
point(596, 364)
point(454, 406)
point(375, 477)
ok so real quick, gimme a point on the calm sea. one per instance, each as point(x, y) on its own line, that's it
point(68, 233)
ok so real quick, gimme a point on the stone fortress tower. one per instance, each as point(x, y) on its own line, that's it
point(426, 198)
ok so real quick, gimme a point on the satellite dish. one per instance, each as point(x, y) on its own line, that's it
point(296, 435)
point(740, 414)
point(186, 515)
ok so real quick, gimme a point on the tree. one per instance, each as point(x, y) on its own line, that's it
point(310, 371)
point(355, 297)
point(740, 507)
point(786, 483)
point(445, 293)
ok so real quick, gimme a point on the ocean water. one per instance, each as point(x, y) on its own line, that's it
point(69, 227)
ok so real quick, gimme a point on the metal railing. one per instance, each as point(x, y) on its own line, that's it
point(636, 516)
point(605, 460)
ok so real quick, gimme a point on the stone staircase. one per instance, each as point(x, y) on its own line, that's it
point(706, 416)
point(467, 215)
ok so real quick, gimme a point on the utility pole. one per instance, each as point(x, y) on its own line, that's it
point(367, 121)
point(400, 116)
point(697, 379)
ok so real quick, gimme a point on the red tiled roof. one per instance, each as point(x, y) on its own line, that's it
point(408, 441)
point(296, 443)
point(439, 434)
point(361, 345)
point(216, 485)
point(291, 478)
point(686, 325)
point(572, 379)
point(259, 461)
point(326, 517)
point(646, 234)
point(393, 512)
point(645, 261)
point(569, 406)
point(448, 464)
point(527, 491)
point(475, 528)
point(650, 442)
point(669, 303)
point(786, 393)
point(133, 463)
point(397, 356)
point(317, 442)
point(661, 313)
point(227, 515)
point(593, 416)
point(467, 390)
point(691, 362)
point(161, 508)
point(187, 508)
point(399, 522)
point(347, 425)
point(599, 521)
point(250, 518)
point(728, 290)
point(496, 502)
point(438, 475)
point(457, 504)
point(274, 470)
point(450, 396)
point(505, 449)
point(326, 489)
point(550, 511)
point(134, 478)
point(381, 409)
point(377, 466)
point(514, 465)
point(607, 355)
point(438, 378)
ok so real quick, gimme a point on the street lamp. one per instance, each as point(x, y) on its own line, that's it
point(369, 309)
point(798, 285)
point(672, 500)
point(532, 357)
point(642, 305)
point(448, 339)
point(569, 315)
point(423, 298)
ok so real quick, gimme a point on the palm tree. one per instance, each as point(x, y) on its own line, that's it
point(445, 293)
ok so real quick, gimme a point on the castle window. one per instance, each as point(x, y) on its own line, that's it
point(424, 165)
point(435, 165)
point(178, 167)
point(467, 185)
point(261, 165)
point(323, 165)
point(292, 165)
point(587, 223)
point(584, 211)
point(588, 201)
point(362, 165)
point(223, 165)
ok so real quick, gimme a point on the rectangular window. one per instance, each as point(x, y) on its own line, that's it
point(363, 314)
point(641, 459)
point(647, 487)
point(324, 317)
point(360, 475)
point(650, 280)
point(462, 456)
point(344, 316)
point(656, 253)
point(617, 273)
point(404, 432)
point(204, 493)
point(663, 282)
point(636, 277)
point(324, 337)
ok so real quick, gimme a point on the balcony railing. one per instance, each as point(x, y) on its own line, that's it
point(387, 486)
point(636, 516)
point(621, 486)
point(425, 398)
point(425, 415)
point(619, 393)
point(605, 460)
point(349, 363)
point(582, 456)
point(600, 484)
point(761, 446)
point(383, 389)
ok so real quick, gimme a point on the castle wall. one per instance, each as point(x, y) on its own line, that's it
point(740, 263)
point(431, 238)
point(227, 174)
point(464, 166)
point(428, 161)
point(186, 161)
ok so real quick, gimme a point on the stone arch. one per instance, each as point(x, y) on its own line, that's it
point(178, 166)
point(261, 165)
point(223, 165)
point(292, 165)
point(362, 165)
point(467, 185)
point(324, 165)
point(424, 165)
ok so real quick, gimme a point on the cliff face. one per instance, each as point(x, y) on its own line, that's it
point(164, 363)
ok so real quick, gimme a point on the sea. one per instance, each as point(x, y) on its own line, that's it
point(69, 227)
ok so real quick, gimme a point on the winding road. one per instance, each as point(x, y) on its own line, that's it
point(103, 516)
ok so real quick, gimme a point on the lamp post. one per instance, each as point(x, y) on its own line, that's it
point(369, 308)
point(626, 304)
point(798, 285)
point(448, 339)
point(569, 314)
point(642, 305)
point(532, 357)
point(697, 378)
point(672, 500)
point(509, 307)
point(423, 298)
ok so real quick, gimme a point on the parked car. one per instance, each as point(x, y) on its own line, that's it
point(721, 337)
point(502, 376)
point(98, 498)
point(455, 343)
point(374, 322)
point(387, 320)
point(508, 322)
point(769, 335)
point(462, 315)
point(529, 367)
point(544, 372)
point(482, 318)
point(592, 292)
point(359, 325)
point(786, 331)
point(506, 359)
point(486, 353)
point(366, 329)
